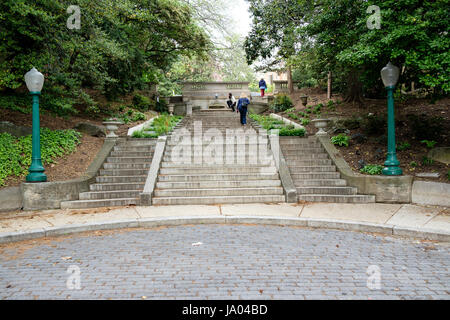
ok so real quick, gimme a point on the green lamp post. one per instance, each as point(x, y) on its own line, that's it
point(35, 81)
point(389, 75)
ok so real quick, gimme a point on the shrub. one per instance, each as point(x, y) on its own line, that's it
point(424, 127)
point(403, 146)
point(291, 131)
point(15, 153)
point(161, 106)
point(374, 124)
point(352, 123)
point(340, 140)
point(293, 116)
point(427, 161)
point(413, 164)
point(141, 102)
point(331, 106)
point(430, 144)
point(372, 169)
point(281, 103)
point(304, 121)
point(317, 109)
point(138, 116)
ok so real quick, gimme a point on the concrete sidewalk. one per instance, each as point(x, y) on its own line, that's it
point(426, 222)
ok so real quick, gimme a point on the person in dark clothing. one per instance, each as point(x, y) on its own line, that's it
point(262, 86)
point(231, 101)
point(242, 108)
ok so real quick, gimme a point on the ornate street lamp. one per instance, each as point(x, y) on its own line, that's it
point(35, 81)
point(389, 75)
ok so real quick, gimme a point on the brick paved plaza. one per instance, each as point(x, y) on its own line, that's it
point(225, 262)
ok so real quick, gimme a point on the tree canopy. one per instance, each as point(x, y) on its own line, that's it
point(333, 35)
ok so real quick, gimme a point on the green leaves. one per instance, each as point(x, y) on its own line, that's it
point(372, 169)
point(15, 153)
point(340, 140)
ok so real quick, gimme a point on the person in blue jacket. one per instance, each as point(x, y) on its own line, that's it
point(262, 86)
point(242, 108)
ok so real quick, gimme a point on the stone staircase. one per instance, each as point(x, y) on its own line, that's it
point(314, 174)
point(202, 181)
point(122, 177)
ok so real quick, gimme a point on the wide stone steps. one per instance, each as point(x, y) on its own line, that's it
point(122, 177)
point(193, 192)
point(207, 165)
point(315, 176)
point(218, 200)
point(218, 184)
point(337, 198)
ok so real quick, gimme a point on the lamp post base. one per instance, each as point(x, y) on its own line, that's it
point(36, 177)
point(392, 171)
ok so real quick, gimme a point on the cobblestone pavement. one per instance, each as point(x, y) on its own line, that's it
point(225, 262)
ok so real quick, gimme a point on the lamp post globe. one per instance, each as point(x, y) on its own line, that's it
point(389, 76)
point(35, 81)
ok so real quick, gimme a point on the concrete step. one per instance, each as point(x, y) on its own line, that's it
point(217, 200)
point(116, 194)
point(296, 146)
point(218, 184)
point(129, 159)
point(121, 179)
point(327, 190)
point(219, 160)
point(306, 156)
point(217, 170)
point(320, 183)
point(137, 154)
point(310, 162)
point(302, 151)
point(315, 175)
point(135, 149)
point(192, 192)
point(137, 143)
point(127, 165)
point(171, 164)
point(337, 198)
point(123, 172)
point(209, 177)
point(300, 169)
point(81, 204)
point(116, 186)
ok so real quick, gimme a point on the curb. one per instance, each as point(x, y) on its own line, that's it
point(423, 233)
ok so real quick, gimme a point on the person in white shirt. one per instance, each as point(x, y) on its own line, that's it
point(231, 101)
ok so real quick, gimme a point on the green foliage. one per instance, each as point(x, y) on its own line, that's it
point(291, 131)
point(162, 106)
point(427, 161)
point(332, 35)
point(374, 124)
point(293, 116)
point(403, 146)
point(120, 47)
point(317, 109)
point(15, 153)
point(413, 164)
point(141, 102)
point(352, 123)
point(138, 116)
point(424, 127)
point(331, 106)
point(304, 121)
point(281, 103)
point(161, 125)
point(429, 144)
point(372, 169)
point(340, 140)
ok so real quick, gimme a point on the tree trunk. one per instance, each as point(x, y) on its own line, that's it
point(290, 83)
point(354, 89)
point(329, 86)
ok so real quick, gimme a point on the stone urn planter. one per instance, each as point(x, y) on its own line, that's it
point(321, 124)
point(111, 126)
point(304, 100)
point(171, 108)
